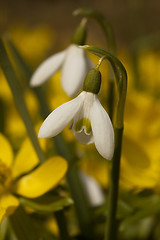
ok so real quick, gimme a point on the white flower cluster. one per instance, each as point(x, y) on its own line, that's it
point(89, 120)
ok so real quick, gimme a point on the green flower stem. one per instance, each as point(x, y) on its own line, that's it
point(82, 209)
point(18, 98)
point(2, 118)
point(112, 223)
point(4, 229)
point(104, 24)
point(108, 33)
point(121, 83)
point(110, 100)
point(77, 191)
point(61, 221)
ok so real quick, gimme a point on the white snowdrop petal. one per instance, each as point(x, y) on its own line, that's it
point(103, 131)
point(59, 118)
point(74, 70)
point(47, 68)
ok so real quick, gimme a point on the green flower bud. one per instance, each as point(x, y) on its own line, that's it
point(92, 82)
point(79, 36)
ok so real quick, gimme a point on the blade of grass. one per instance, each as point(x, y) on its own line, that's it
point(18, 98)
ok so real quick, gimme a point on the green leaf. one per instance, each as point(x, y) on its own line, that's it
point(26, 73)
point(144, 207)
point(3, 229)
point(11, 77)
point(2, 118)
point(24, 227)
point(47, 205)
point(20, 62)
point(61, 145)
point(157, 231)
point(124, 209)
point(138, 230)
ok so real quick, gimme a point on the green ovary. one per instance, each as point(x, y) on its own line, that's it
point(83, 122)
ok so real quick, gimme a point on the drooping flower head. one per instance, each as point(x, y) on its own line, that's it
point(73, 61)
point(89, 120)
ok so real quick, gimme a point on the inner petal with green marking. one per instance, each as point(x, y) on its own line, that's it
point(83, 124)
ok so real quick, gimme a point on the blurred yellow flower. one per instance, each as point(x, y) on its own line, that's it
point(5, 92)
point(139, 169)
point(140, 155)
point(32, 42)
point(142, 116)
point(149, 69)
point(13, 125)
point(15, 179)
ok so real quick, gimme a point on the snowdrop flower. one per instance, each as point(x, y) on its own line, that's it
point(89, 120)
point(73, 61)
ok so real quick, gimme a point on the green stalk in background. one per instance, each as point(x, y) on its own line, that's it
point(61, 220)
point(18, 98)
point(63, 149)
point(121, 83)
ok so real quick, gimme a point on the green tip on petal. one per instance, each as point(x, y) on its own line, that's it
point(83, 122)
point(92, 82)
